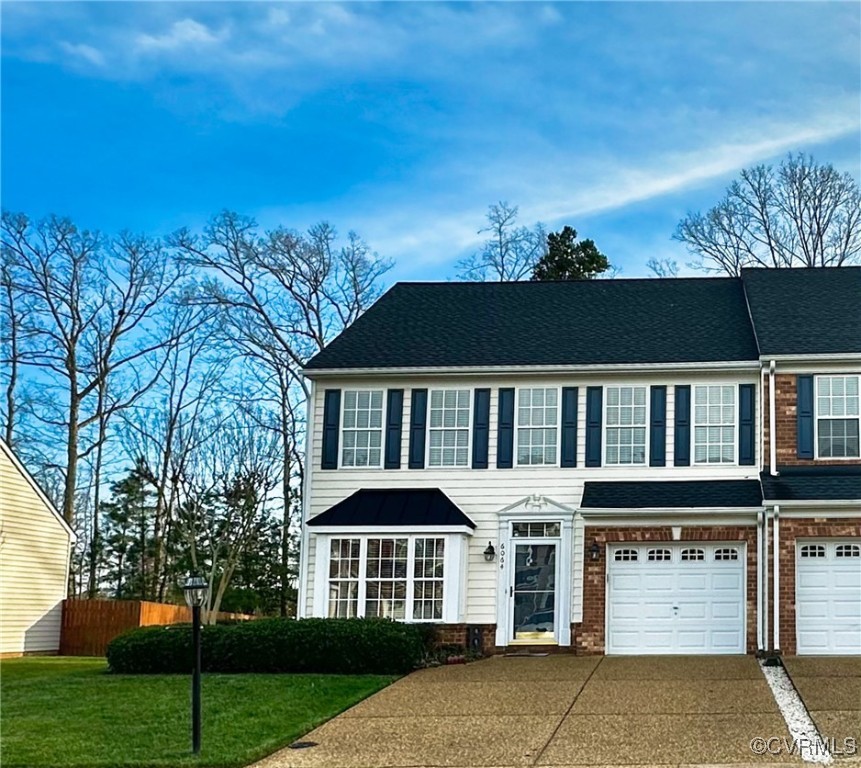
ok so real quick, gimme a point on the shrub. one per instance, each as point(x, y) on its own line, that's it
point(332, 646)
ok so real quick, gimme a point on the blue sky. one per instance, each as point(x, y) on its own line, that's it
point(404, 121)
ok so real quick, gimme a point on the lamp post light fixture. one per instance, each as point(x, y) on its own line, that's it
point(595, 550)
point(490, 552)
point(195, 590)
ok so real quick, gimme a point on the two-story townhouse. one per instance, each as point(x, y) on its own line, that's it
point(570, 464)
point(808, 327)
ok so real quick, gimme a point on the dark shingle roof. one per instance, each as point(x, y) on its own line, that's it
point(388, 506)
point(672, 494)
point(805, 311)
point(813, 484)
point(548, 323)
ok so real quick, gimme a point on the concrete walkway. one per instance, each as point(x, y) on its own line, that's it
point(556, 711)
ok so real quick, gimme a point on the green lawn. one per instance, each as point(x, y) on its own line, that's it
point(71, 712)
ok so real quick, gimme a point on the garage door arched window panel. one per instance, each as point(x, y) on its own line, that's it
point(660, 556)
point(838, 417)
point(848, 550)
point(626, 556)
point(726, 553)
point(693, 554)
point(813, 550)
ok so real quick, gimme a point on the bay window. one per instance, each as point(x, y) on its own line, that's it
point(405, 578)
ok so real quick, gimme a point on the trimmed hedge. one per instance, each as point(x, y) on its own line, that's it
point(329, 646)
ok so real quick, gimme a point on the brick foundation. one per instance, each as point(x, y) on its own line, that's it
point(458, 634)
point(588, 635)
point(786, 413)
point(790, 530)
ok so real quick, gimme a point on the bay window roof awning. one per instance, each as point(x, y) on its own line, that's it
point(394, 507)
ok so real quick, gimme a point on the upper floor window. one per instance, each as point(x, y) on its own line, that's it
point(626, 425)
point(362, 428)
point(837, 417)
point(714, 424)
point(448, 428)
point(537, 425)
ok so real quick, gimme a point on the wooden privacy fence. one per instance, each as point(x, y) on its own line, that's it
point(89, 625)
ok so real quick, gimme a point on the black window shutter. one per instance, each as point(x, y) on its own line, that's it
point(804, 416)
point(394, 424)
point(658, 426)
point(746, 432)
point(480, 428)
point(418, 424)
point(594, 405)
point(331, 421)
point(505, 430)
point(682, 436)
point(568, 441)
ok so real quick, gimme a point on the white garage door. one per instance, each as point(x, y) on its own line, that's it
point(681, 597)
point(828, 597)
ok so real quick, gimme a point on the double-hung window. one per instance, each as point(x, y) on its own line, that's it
point(626, 419)
point(537, 425)
point(362, 428)
point(714, 424)
point(399, 577)
point(448, 428)
point(837, 417)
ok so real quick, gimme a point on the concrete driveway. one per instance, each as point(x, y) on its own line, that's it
point(830, 688)
point(556, 711)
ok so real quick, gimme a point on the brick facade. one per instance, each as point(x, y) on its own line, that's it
point(458, 634)
point(790, 530)
point(785, 415)
point(588, 635)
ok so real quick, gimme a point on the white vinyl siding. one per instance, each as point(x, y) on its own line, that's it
point(392, 577)
point(838, 418)
point(625, 417)
point(34, 561)
point(448, 428)
point(714, 424)
point(537, 426)
point(362, 428)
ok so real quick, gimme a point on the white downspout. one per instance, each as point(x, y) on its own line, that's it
point(772, 418)
point(765, 580)
point(759, 643)
point(776, 598)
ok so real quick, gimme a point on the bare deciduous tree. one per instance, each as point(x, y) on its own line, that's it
point(510, 251)
point(800, 214)
point(665, 267)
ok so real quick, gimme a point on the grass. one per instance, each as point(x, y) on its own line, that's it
point(69, 712)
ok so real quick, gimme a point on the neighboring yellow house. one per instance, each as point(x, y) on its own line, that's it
point(35, 546)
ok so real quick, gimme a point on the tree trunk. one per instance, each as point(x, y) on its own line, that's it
point(71, 458)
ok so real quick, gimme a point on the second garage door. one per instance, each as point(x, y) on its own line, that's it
point(680, 597)
point(828, 597)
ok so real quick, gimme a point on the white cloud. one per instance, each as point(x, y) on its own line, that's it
point(83, 51)
point(183, 33)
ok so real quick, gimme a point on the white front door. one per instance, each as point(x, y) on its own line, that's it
point(676, 597)
point(828, 597)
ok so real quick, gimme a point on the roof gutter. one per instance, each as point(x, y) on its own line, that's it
point(493, 370)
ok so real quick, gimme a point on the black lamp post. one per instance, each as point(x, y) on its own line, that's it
point(195, 589)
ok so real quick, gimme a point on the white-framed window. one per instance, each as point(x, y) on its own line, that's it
point(625, 419)
point(396, 577)
point(726, 553)
point(838, 417)
point(813, 550)
point(362, 428)
point(714, 424)
point(344, 578)
point(448, 428)
point(660, 555)
point(537, 425)
point(626, 555)
point(693, 554)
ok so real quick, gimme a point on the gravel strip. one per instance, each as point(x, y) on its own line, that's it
point(806, 739)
